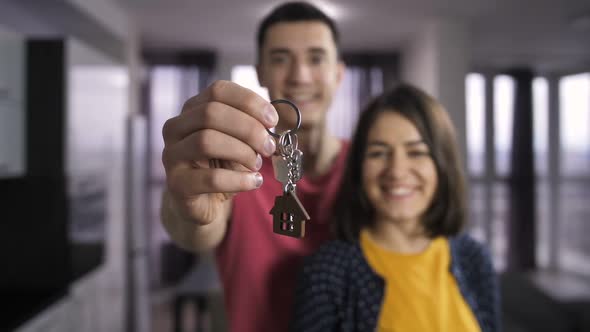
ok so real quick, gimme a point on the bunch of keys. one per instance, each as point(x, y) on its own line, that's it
point(289, 215)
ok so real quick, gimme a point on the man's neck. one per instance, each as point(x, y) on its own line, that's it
point(320, 149)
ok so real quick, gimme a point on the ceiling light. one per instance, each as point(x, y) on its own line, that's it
point(336, 12)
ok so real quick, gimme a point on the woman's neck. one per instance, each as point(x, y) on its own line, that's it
point(403, 237)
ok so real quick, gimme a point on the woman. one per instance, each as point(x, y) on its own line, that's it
point(400, 263)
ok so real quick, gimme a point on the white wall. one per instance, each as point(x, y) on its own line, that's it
point(12, 108)
point(437, 59)
point(227, 61)
point(419, 63)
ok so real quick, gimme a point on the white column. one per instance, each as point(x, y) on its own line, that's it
point(554, 172)
point(437, 59)
point(490, 158)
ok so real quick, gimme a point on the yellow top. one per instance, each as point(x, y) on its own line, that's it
point(421, 294)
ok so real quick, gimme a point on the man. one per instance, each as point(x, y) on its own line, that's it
point(227, 208)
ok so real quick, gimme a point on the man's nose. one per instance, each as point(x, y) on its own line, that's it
point(300, 73)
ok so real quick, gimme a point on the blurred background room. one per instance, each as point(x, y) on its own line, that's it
point(86, 86)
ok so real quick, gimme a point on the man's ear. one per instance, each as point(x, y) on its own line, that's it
point(260, 75)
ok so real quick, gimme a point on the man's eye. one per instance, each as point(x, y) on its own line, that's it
point(277, 60)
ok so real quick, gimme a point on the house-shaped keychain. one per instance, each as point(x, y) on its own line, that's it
point(289, 215)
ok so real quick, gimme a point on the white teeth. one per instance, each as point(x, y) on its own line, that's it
point(400, 191)
point(301, 98)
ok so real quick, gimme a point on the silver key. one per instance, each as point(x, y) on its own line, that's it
point(281, 169)
point(297, 169)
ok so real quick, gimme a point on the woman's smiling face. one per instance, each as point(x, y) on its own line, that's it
point(399, 174)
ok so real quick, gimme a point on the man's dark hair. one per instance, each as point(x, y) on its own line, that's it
point(447, 211)
point(294, 12)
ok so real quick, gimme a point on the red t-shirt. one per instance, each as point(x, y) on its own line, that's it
point(258, 268)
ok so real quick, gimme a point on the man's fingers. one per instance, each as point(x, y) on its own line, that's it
point(244, 99)
point(212, 144)
point(225, 119)
point(211, 180)
point(236, 97)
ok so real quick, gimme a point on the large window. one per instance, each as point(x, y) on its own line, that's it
point(540, 124)
point(561, 137)
point(170, 87)
point(503, 116)
point(475, 117)
point(541, 150)
point(574, 157)
point(574, 104)
point(246, 76)
point(487, 169)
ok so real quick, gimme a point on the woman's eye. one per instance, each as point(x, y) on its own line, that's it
point(376, 154)
point(418, 153)
point(317, 59)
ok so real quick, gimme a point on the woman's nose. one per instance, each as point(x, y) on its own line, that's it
point(397, 165)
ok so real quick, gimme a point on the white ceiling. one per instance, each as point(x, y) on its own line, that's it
point(503, 32)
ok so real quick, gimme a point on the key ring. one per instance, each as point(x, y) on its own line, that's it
point(290, 131)
point(288, 143)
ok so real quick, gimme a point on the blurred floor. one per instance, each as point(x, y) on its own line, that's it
point(162, 307)
point(562, 286)
point(544, 301)
point(177, 274)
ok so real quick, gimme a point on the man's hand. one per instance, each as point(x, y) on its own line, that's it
point(225, 126)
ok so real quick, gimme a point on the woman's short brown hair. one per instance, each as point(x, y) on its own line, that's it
point(447, 212)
